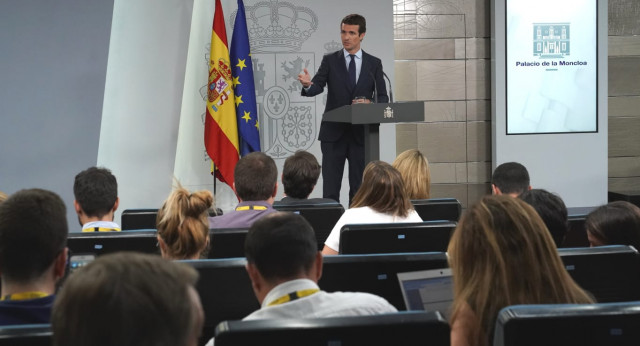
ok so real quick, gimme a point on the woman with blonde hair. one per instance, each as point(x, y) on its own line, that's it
point(501, 254)
point(183, 227)
point(381, 198)
point(414, 169)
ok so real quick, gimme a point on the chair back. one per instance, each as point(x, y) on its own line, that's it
point(568, 325)
point(227, 242)
point(438, 209)
point(26, 335)
point(100, 243)
point(428, 236)
point(377, 273)
point(138, 219)
point(406, 328)
point(609, 273)
point(225, 291)
point(322, 217)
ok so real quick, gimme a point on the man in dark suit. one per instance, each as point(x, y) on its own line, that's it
point(352, 76)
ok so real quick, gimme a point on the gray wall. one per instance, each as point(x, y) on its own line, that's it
point(456, 134)
point(53, 63)
point(442, 57)
point(624, 95)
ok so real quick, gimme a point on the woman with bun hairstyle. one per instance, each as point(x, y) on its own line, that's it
point(501, 254)
point(183, 228)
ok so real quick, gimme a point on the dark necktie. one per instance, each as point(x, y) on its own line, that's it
point(352, 70)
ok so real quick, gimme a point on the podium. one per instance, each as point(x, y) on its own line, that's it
point(371, 115)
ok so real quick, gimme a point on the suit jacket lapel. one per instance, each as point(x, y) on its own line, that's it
point(342, 69)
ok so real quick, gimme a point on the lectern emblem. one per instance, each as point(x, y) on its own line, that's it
point(388, 113)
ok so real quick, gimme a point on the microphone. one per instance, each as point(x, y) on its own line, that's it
point(375, 87)
point(390, 89)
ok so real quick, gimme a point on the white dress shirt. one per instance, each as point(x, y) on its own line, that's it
point(358, 60)
point(318, 305)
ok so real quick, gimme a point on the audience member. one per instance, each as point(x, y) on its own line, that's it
point(616, 223)
point(501, 254)
point(33, 255)
point(129, 299)
point(552, 210)
point(299, 176)
point(255, 185)
point(510, 178)
point(96, 193)
point(284, 266)
point(414, 169)
point(381, 198)
point(183, 227)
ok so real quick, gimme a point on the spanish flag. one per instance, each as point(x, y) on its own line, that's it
point(220, 125)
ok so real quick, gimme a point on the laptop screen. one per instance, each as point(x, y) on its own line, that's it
point(428, 290)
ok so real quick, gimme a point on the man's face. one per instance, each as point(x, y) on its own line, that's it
point(350, 37)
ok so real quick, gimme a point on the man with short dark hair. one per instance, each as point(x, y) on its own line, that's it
point(353, 76)
point(96, 193)
point(299, 176)
point(284, 266)
point(510, 178)
point(256, 185)
point(129, 299)
point(552, 211)
point(33, 255)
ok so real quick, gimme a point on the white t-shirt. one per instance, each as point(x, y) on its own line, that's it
point(364, 215)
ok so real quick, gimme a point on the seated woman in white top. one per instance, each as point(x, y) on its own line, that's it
point(382, 198)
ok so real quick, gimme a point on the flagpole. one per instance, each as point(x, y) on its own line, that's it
point(213, 174)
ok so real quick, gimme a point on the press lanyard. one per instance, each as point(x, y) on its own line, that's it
point(293, 296)
point(251, 207)
point(24, 296)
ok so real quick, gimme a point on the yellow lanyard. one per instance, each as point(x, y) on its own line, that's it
point(293, 296)
point(24, 296)
point(101, 229)
point(251, 207)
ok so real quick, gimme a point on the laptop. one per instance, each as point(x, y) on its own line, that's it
point(428, 290)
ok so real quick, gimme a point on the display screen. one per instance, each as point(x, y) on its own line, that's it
point(551, 55)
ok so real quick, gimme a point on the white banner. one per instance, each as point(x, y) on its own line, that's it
point(143, 93)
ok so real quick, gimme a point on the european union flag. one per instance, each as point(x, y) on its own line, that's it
point(245, 91)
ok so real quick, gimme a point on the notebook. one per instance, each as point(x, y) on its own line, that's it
point(428, 290)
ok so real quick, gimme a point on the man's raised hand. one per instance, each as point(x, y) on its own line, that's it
point(305, 79)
